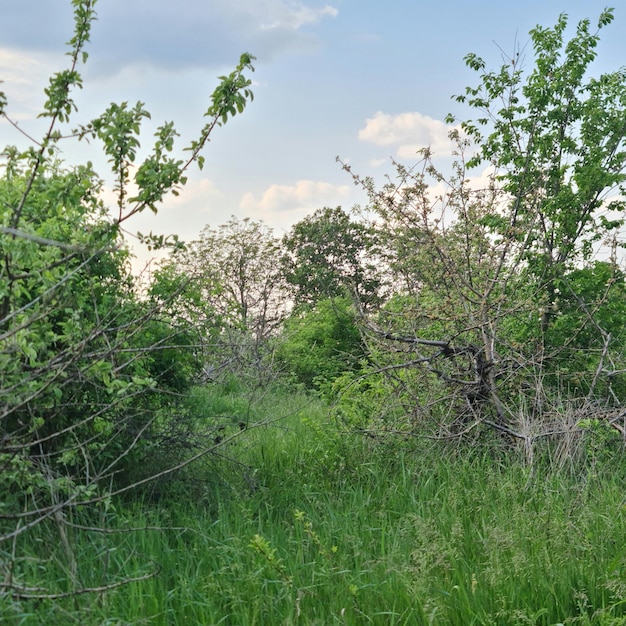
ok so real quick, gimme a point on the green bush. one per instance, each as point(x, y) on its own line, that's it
point(321, 342)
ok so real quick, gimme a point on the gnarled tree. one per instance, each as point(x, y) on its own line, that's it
point(494, 318)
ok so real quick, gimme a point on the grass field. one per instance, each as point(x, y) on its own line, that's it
point(296, 523)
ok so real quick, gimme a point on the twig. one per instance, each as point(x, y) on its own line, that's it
point(24, 593)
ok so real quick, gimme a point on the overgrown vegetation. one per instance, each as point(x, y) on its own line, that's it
point(413, 420)
point(88, 369)
point(309, 527)
point(501, 314)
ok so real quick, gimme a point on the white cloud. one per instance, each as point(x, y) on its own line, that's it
point(290, 16)
point(184, 215)
point(407, 132)
point(378, 162)
point(18, 68)
point(198, 204)
point(307, 194)
point(195, 193)
point(281, 206)
point(24, 77)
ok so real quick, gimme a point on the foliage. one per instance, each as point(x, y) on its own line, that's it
point(585, 336)
point(557, 137)
point(321, 342)
point(237, 266)
point(173, 361)
point(507, 320)
point(86, 365)
point(228, 285)
point(328, 255)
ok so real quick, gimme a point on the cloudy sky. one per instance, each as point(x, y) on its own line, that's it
point(365, 80)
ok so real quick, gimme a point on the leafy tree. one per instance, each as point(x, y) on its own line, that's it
point(328, 255)
point(557, 140)
point(79, 372)
point(585, 337)
point(181, 298)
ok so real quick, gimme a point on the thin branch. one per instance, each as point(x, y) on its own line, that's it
point(25, 593)
point(21, 130)
point(5, 230)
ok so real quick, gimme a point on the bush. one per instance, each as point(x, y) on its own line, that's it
point(321, 342)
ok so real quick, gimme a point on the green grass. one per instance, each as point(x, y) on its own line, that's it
point(304, 526)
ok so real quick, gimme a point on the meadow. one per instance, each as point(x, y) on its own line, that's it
point(298, 522)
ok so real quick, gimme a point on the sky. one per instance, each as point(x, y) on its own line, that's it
point(366, 80)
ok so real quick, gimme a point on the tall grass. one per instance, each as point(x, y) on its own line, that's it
point(302, 525)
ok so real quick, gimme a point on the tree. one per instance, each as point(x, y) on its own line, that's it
point(557, 139)
point(79, 376)
point(329, 255)
point(475, 335)
point(232, 275)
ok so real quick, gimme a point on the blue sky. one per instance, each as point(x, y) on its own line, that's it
point(365, 80)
